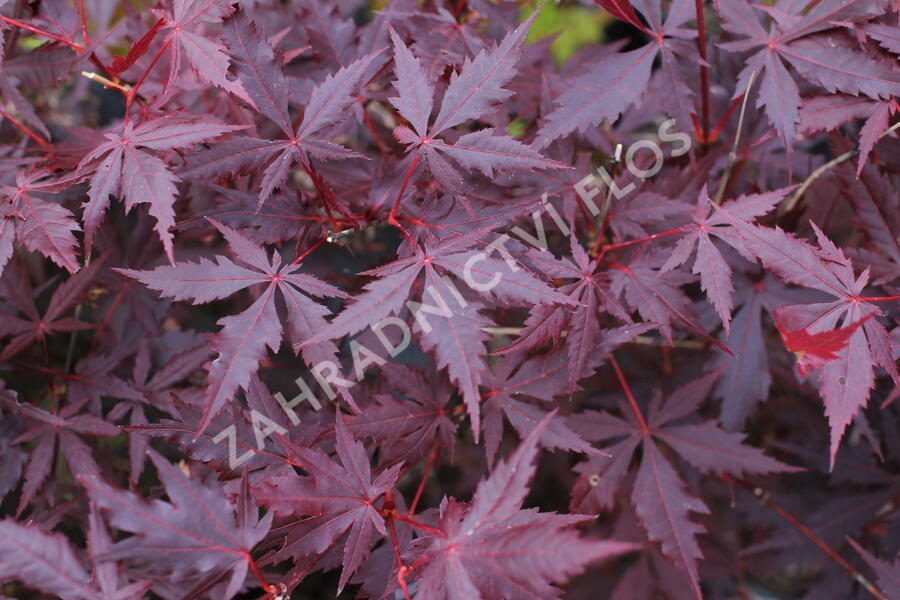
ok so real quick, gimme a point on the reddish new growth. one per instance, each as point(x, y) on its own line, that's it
point(387, 300)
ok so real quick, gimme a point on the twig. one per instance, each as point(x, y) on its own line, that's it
point(789, 204)
point(122, 87)
point(782, 512)
point(607, 200)
point(24, 129)
point(732, 156)
point(52, 36)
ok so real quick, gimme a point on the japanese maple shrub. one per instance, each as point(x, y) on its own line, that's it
point(449, 299)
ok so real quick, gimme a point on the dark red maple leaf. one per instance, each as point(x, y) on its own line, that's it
point(399, 149)
point(262, 77)
point(136, 176)
point(197, 530)
point(408, 425)
point(472, 92)
point(61, 426)
point(659, 494)
point(244, 337)
point(16, 289)
point(813, 45)
point(715, 274)
point(494, 546)
point(39, 223)
point(845, 382)
point(334, 498)
point(453, 338)
point(606, 88)
point(206, 55)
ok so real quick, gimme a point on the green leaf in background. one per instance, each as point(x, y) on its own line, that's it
point(575, 25)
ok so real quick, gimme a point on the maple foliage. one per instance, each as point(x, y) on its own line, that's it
point(449, 299)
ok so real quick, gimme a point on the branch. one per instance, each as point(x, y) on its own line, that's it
point(782, 512)
point(24, 129)
point(789, 204)
point(732, 156)
point(47, 34)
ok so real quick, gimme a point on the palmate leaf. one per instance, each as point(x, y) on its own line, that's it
point(455, 337)
point(616, 82)
point(408, 425)
point(472, 93)
point(337, 498)
point(195, 531)
point(845, 382)
point(830, 59)
point(494, 548)
point(541, 377)
point(657, 295)
point(244, 337)
point(327, 105)
point(59, 428)
point(137, 176)
point(42, 225)
point(388, 175)
point(660, 497)
point(16, 287)
point(207, 56)
point(715, 274)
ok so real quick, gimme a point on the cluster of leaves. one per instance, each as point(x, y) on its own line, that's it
point(321, 176)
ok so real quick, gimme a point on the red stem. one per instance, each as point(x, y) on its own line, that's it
point(431, 458)
point(69, 43)
point(724, 120)
point(391, 219)
point(270, 589)
point(607, 247)
point(704, 70)
point(24, 129)
point(320, 190)
point(460, 7)
point(416, 524)
point(78, 47)
point(392, 530)
point(371, 127)
point(133, 92)
point(409, 173)
point(637, 411)
point(878, 298)
point(782, 512)
point(309, 251)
